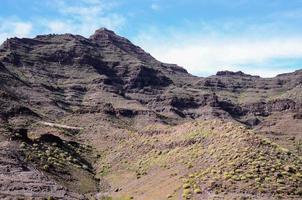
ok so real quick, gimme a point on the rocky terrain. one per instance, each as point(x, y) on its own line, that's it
point(99, 118)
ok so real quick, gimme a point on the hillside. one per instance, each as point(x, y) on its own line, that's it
point(99, 118)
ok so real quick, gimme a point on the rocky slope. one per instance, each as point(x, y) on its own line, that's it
point(99, 117)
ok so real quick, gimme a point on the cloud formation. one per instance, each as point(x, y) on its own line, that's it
point(14, 27)
point(84, 16)
point(207, 57)
point(78, 17)
point(209, 51)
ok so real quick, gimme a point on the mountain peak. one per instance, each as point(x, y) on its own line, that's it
point(102, 33)
point(103, 29)
point(106, 37)
point(75, 110)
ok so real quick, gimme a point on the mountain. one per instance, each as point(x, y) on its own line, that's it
point(99, 118)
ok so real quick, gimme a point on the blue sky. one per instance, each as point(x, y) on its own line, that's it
point(261, 37)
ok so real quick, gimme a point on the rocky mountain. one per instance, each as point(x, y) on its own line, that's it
point(99, 118)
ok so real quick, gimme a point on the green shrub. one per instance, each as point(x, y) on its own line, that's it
point(45, 167)
point(197, 191)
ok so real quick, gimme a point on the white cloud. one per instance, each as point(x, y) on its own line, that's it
point(11, 27)
point(77, 17)
point(203, 54)
point(58, 27)
point(84, 17)
point(22, 29)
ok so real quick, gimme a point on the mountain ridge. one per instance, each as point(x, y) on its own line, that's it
point(85, 112)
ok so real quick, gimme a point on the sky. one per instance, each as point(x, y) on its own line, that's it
point(259, 37)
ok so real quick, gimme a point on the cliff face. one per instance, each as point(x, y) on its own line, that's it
point(65, 72)
point(93, 89)
point(57, 74)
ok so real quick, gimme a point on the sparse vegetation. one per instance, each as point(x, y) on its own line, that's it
point(122, 125)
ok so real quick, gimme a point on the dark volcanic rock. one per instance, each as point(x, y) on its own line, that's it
point(147, 77)
point(230, 73)
point(265, 108)
point(49, 138)
point(58, 71)
point(70, 73)
point(252, 122)
point(297, 116)
point(183, 102)
point(233, 109)
point(106, 80)
point(104, 36)
point(18, 110)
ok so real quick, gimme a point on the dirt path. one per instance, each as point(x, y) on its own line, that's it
point(60, 126)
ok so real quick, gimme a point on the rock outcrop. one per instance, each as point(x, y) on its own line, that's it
point(107, 88)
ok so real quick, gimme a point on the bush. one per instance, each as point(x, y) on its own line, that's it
point(186, 193)
point(197, 191)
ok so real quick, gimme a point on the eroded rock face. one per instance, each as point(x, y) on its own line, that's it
point(68, 72)
point(107, 79)
point(104, 35)
point(20, 180)
point(60, 71)
point(265, 108)
point(147, 77)
point(230, 73)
